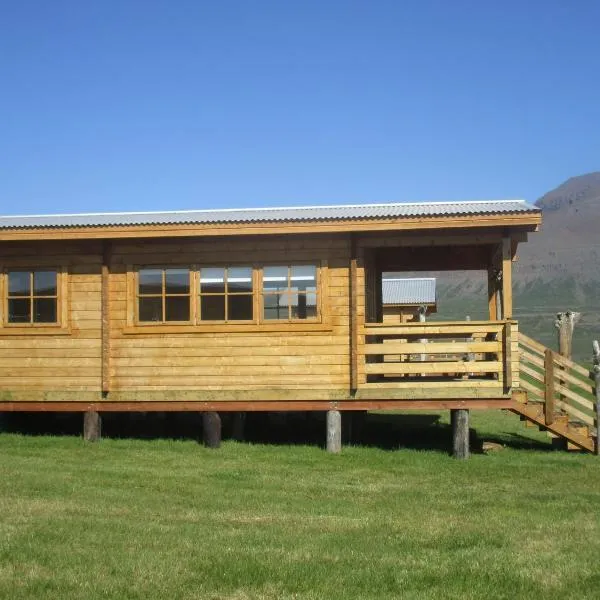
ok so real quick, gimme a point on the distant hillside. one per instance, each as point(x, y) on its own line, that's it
point(558, 269)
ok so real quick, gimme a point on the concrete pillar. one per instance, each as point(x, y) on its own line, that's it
point(92, 426)
point(211, 429)
point(460, 432)
point(334, 431)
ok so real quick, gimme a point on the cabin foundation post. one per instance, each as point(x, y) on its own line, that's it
point(211, 429)
point(334, 431)
point(238, 426)
point(460, 432)
point(92, 426)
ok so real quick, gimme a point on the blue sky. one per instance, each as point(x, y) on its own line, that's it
point(148, 105)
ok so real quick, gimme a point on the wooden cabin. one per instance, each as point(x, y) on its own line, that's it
point(252, 310)
point(408, 299)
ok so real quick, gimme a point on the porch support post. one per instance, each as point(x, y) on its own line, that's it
point(211, 429)
point(507, 301)
point(334, 431)
point(353, 315)
point(92, 426)
point(459, 418)
point(493, 293)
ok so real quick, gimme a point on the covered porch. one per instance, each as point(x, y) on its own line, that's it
point(439, 358)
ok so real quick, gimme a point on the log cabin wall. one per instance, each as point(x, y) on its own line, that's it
point(51, 361)
point(235, 357)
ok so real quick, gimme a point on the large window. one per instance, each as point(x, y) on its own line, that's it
point(289, 292)
point(32, 297)
point(164, 295)
point(226, 294)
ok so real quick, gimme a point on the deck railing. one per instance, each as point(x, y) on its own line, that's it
point(563, 387)
point(457, 354)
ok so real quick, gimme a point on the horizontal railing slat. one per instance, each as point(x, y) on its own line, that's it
point(571, 410)
point(574, 397)
point(533, 374)
point(569, 364)
point(430, 368)
point(566, 376)
point(526, 356)
point(528, 342)
point(429, 330)
point(529, 387)
point(432, 347)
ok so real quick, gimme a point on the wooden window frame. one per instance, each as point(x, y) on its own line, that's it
point(135, 298)
point(318, 318)
point(60, 326)
point(257, 324)
point(199, 294)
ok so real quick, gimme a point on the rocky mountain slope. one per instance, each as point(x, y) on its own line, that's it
point(558, 269)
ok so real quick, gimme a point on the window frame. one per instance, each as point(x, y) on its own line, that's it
point(199, 294)
point(163, 296)
point(318, 292)
point(257, 324)
point(62, 289)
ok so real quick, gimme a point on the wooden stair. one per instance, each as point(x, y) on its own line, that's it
point(576, 435)
point(558, 396)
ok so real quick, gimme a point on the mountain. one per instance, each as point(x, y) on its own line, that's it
point(558, 269)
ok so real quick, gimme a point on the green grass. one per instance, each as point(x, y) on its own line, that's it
point(170, 519)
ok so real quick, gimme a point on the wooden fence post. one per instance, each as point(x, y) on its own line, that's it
point(565, 323)
point(596, 370)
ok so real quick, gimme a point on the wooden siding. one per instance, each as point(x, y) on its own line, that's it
point(101, 351)
point(233, 357)
point(70, 357)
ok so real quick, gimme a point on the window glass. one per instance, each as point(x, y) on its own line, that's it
point(177, 281)
point(212, 280)
point(44, 310)
point(150, 281)
point(307, 274)
point(150, 309)
point(19, 283)
point(177, 308)
point(212, 308)
point(44, 283)
point(19, 311)
point(273, 308)
point(239, 280)
point(240, 308)
point(275, 279)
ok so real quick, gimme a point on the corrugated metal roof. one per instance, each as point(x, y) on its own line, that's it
point(409, 291)
point(251, 215)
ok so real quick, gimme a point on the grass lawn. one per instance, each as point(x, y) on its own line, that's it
point(170, 519)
